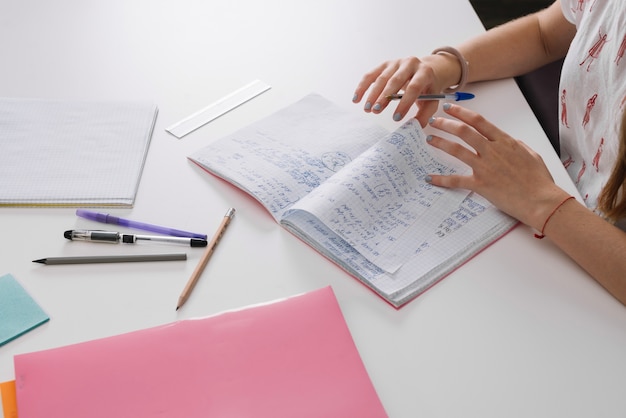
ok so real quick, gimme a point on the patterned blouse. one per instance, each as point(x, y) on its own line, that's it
point(593, 93)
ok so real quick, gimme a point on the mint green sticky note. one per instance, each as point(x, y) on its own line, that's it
point(19, 313)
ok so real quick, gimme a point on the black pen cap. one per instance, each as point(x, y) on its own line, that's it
point(195, 242)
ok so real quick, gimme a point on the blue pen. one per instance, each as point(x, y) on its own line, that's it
point(443, 96)
point(110, 219)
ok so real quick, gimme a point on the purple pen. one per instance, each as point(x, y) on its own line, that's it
point(110, 219)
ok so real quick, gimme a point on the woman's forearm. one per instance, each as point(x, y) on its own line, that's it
point(597, 246)
point(519, 46)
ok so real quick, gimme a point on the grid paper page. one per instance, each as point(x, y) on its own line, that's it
point(380, 203)
point(72, 153)
point(280, 159)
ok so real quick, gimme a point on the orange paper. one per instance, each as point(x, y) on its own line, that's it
point(292, 358)
point(9, 404)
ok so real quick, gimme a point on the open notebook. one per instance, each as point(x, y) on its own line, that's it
point(358, 194)
point(71, 153)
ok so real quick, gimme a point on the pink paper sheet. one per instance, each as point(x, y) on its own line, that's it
point(291, 358)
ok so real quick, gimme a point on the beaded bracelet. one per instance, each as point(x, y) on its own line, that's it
point(464, 67)
point(541, 235)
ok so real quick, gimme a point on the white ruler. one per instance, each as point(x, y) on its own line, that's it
point(218, 108)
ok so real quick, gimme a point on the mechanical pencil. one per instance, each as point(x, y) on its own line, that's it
point(116, 237)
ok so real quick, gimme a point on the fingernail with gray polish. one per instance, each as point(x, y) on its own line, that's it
point(446, 106)
point(355, 97)
point(397, 117)
point(377, 107)
point(428, 179)
point(429, 138)
point(368, 106)
point(431, 120)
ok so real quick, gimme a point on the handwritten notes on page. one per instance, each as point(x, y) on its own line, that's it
point(357, 194)
point(70, 153)
point(290, 358)
point(281, 159)
point(380, 202)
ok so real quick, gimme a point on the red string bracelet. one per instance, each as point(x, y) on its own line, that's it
point(541, 235)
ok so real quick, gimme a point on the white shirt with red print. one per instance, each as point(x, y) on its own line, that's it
point(593, 93)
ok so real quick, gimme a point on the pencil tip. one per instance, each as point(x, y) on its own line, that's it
point(42, 261)
point(177, 307)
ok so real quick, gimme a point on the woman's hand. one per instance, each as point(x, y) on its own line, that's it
point(410, 75)
point(505, 170)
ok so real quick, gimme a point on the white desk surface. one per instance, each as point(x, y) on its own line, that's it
point(518, 331)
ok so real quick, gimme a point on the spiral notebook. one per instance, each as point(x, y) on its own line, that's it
point(72, 153)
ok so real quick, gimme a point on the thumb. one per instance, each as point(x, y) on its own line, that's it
point(425, 110)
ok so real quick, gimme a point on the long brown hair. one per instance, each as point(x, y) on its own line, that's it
point(612, 199)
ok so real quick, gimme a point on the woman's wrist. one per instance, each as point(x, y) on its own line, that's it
point(447, 70)
point(464, 66)
point(557, 208)
point(544, 208)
